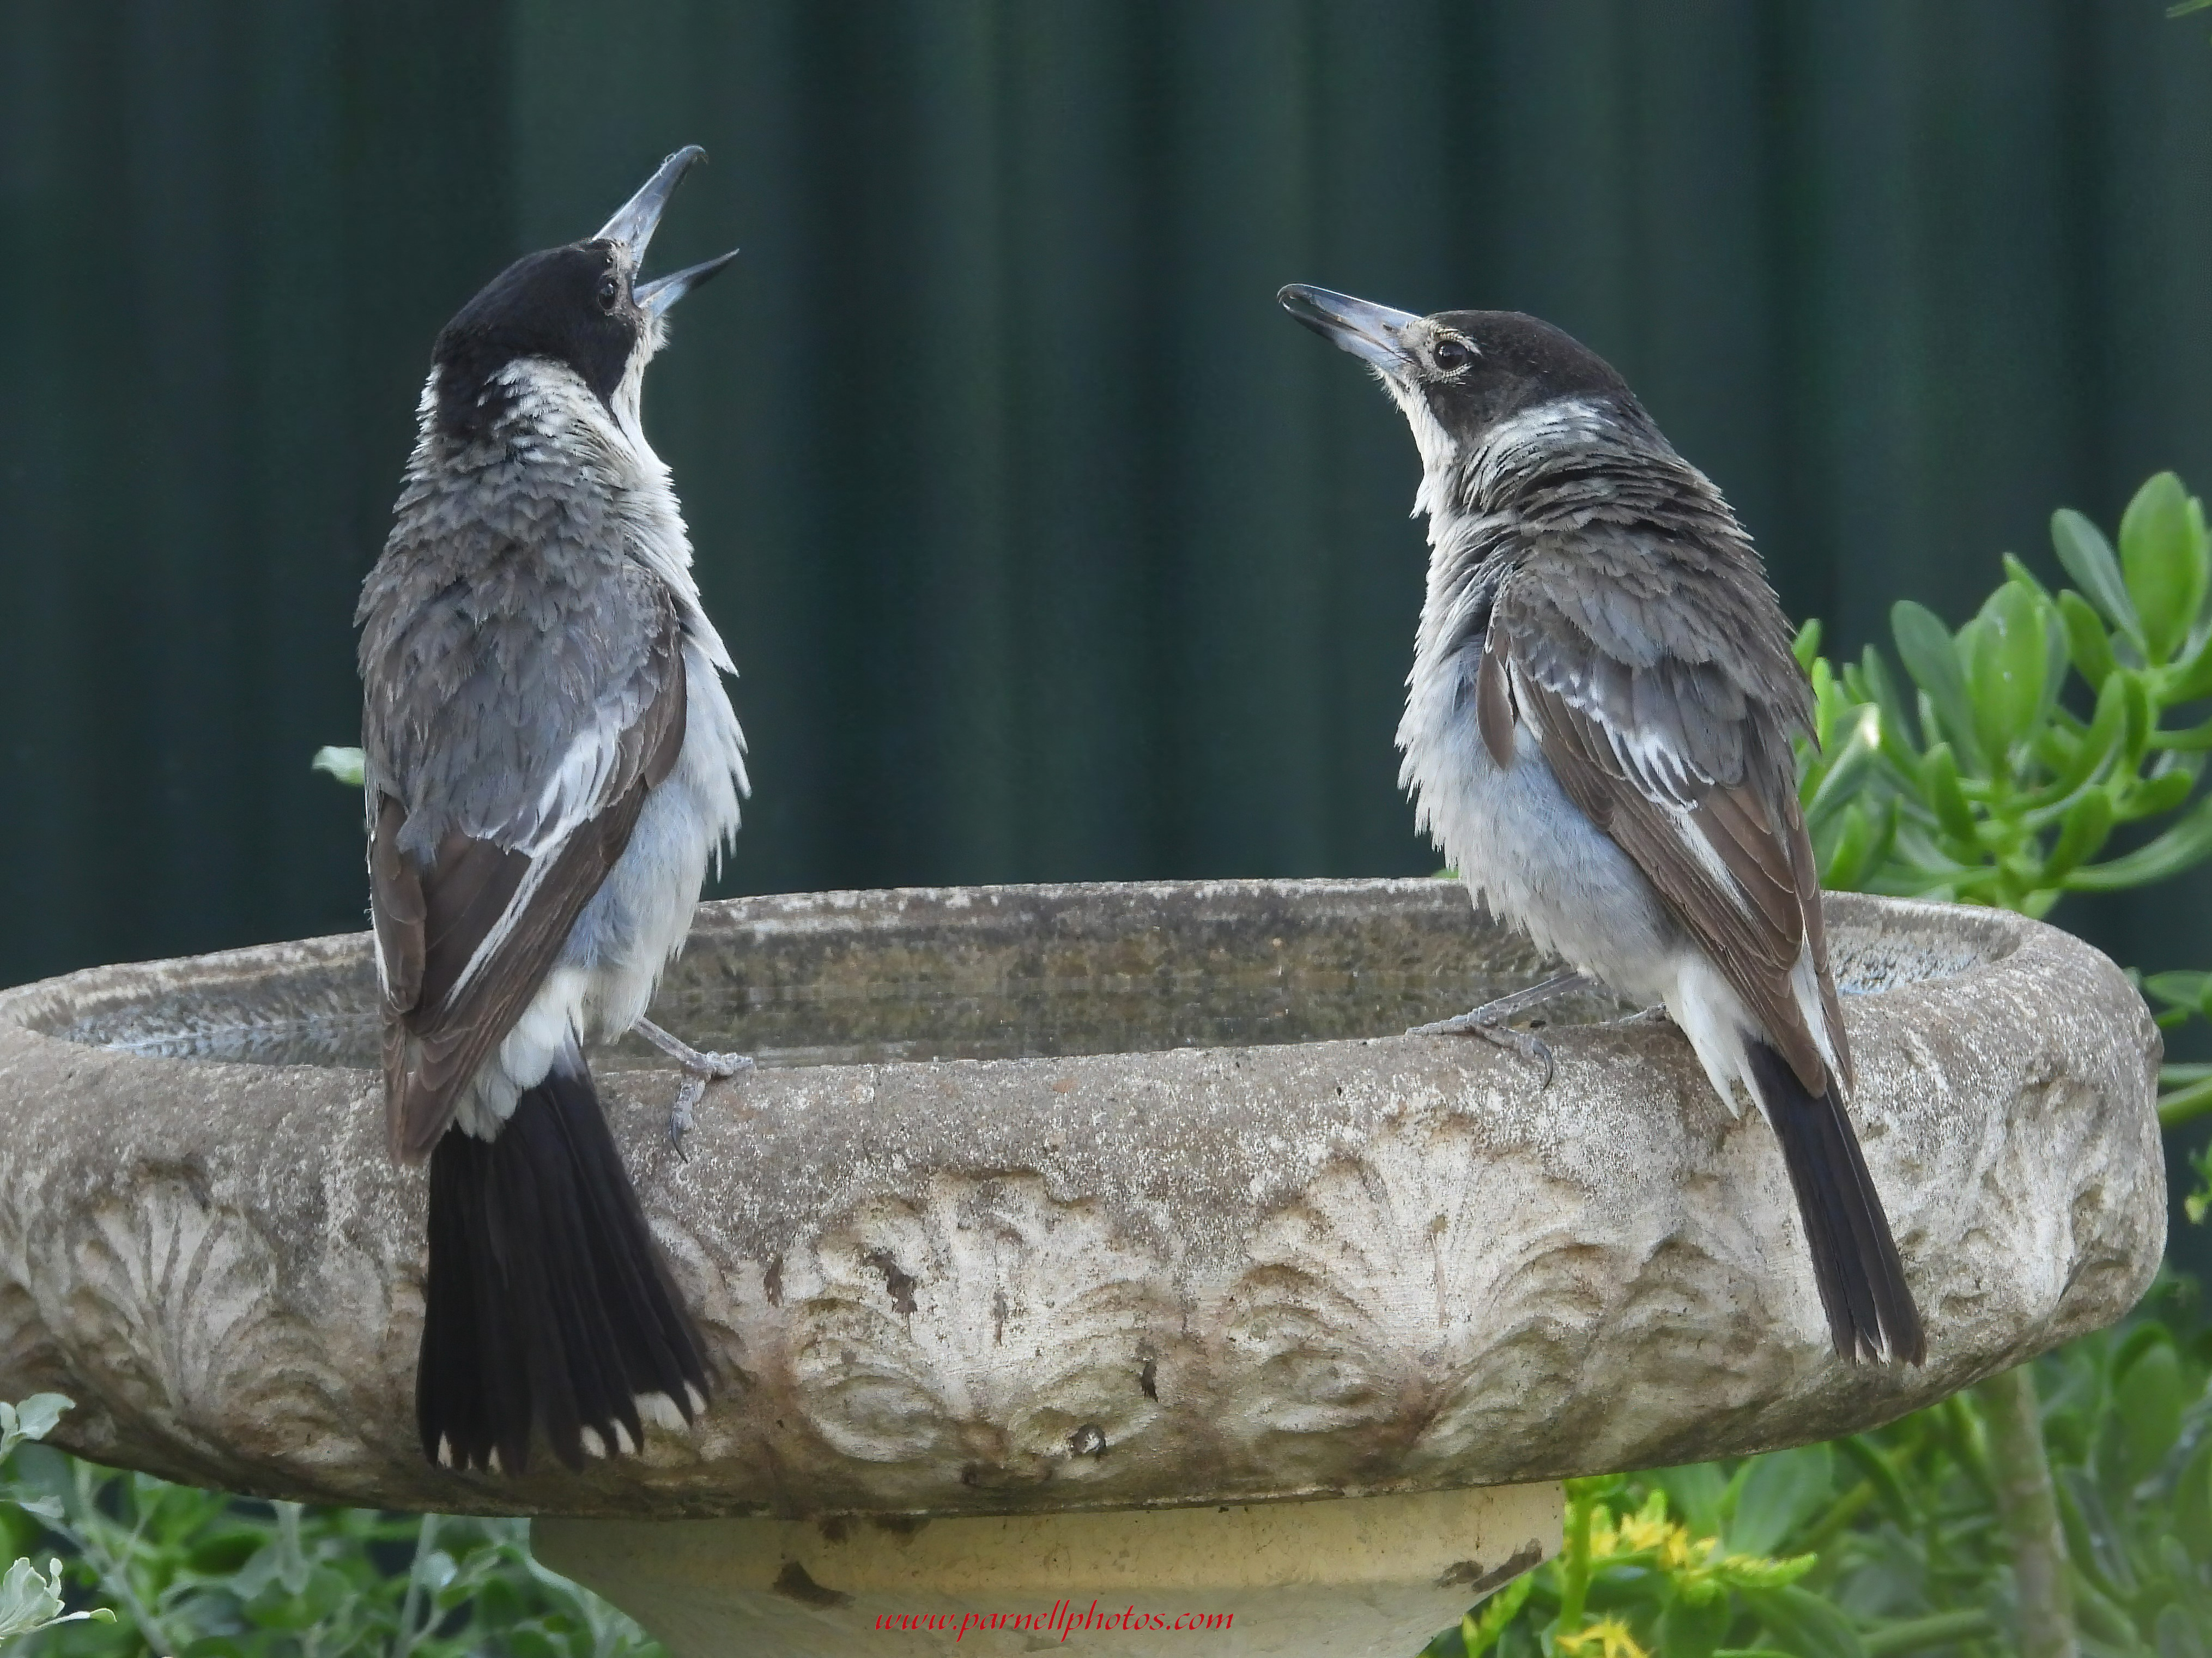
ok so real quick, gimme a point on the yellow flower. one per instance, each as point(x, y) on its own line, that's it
point(1611, 1636)
point(1646, 1531)
point(1683, 1552)
point(1604, 1540)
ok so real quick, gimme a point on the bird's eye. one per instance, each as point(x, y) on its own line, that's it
point(609, 291)
point(1451, 356)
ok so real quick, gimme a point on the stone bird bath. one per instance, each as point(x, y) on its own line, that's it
point(1081, 1244)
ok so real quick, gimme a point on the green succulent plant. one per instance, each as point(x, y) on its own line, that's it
point(2002, 769)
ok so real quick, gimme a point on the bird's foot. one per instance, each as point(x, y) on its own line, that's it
point(1527, 1043)
point(700, 1069)
point(1492, 1021)
point(693, 1089)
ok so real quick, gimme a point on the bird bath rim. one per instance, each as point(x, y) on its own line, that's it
point(1022, 943)
point(1157, 1276)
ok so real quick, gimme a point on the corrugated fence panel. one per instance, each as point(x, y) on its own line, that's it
point(1047, 547)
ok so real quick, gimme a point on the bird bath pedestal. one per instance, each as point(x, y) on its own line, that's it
point(1075, 1245)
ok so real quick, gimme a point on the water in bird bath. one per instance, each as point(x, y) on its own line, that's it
point(972, 973)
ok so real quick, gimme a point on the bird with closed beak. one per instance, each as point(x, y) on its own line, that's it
point(1597, 733)
point(551, 760)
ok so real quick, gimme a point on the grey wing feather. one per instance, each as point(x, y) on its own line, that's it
point(468, 928)
point(1683, 759)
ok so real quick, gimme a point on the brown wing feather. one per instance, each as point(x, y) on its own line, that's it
point(434, 1038)
point(1754, 944)
point(1493, 704)
point(1806, 873)
point(395, 907)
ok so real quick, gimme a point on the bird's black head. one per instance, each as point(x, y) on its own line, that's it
point(1466, 370)
point(580, 307)
point(571, 305)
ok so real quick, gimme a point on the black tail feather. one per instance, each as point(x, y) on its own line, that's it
point(549, 1310)
point(1871, 1314)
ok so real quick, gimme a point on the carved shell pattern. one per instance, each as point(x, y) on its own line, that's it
point(935, 1333)
point(173, 1295)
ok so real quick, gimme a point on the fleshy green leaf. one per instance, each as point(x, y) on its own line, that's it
point(2101, 741)
point(1860, 1451)
point(2189, 738)
point(2017, 572)
point(1847, 858)
point(1807, 646)
point(1693, 1628)
point(1848, 767)
point(2008, 658)
point(2165, 562)
point(2192, 1504)
point(2136, 718)
point(1881, 690)
point(1931, 657)
point(1777, 1493)
point(1830, 704)
point(1939, 780)
point(1804, 1624)
point(2188, 990)
point(2149, 1399)
point(2192, 679)
point(2098, 1545)
point(2088, 557)
point(1696, 1490)
point(2186, 844)
point(2156, 796)
point(2087, 641)
point(2082, 835)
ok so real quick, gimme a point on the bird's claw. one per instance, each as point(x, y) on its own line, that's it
point(720, 1067)
point(694, 1088)
point(710, 1067)
point(699, 1069)
point(1527, 1043)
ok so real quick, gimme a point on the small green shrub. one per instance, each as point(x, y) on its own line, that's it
point(157, 1568)
point(1887, 1542)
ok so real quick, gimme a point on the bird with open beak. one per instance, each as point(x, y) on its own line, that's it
point(1597, 733)
point(551, 759)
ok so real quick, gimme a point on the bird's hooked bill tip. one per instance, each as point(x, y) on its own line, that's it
point(635, 219)
point(1359, 326)
point(662, 292)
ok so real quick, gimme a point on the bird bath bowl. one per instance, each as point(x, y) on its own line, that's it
point(1100, 1248)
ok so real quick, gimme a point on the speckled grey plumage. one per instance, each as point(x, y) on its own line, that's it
point(508, 640)
point(1597, 733)
point(1656, 618)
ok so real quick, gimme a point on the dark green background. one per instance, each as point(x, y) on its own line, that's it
point(1047, 546)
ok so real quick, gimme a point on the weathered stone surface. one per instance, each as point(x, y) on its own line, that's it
point(1099, 1279)
point(1336, 1579)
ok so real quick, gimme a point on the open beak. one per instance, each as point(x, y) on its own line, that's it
point(1376, 332)
point(636, 220)
point(656, 296)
